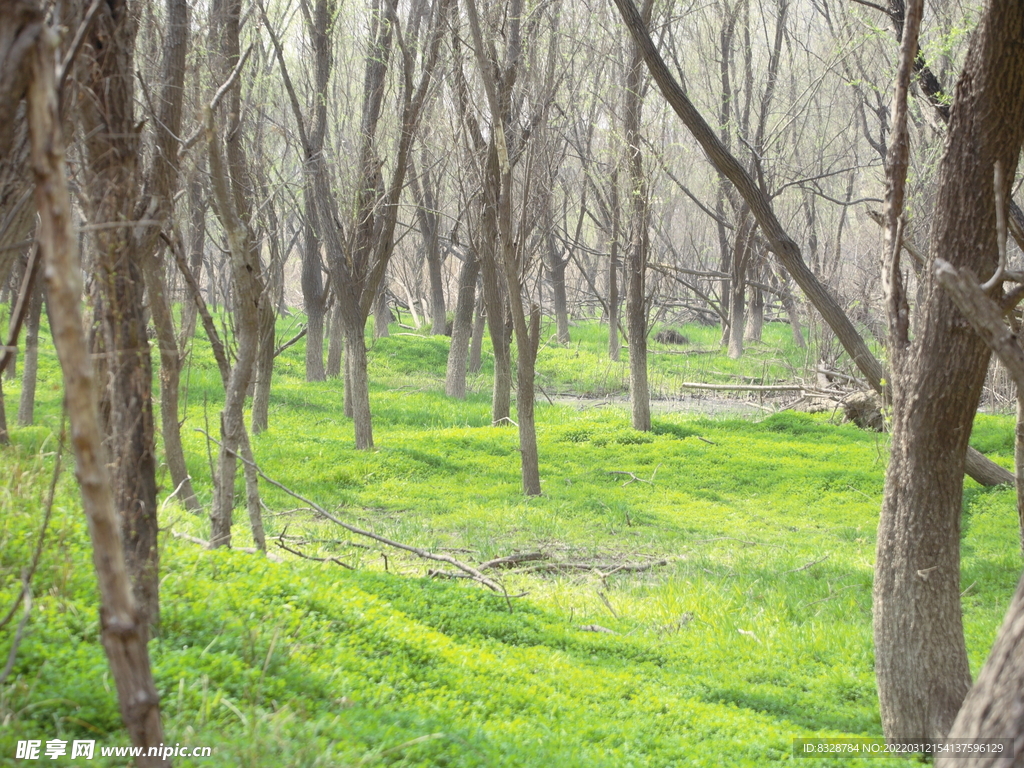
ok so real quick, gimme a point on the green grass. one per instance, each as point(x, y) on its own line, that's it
point(755, 632)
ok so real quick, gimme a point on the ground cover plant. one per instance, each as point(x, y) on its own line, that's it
point(755, 630)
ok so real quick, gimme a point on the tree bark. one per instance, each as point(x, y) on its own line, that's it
point(462, 329)
point(994, 708)
point(123, 623)
point(921, 659)
point(119, 339)
point(30, 368)
point(477, 342)
point(613, 265)
point(233, 209)
point(639, 242)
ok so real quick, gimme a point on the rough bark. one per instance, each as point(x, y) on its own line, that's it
point(462, 329)
point(233, 209)
point(921, 659)
point(994, 708)
point(123, 623)
point(119, 340)
point(639, 241)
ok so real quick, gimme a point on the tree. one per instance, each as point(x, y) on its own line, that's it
point(639, 244)
point(921, 658)
point(106, 75)
point(123, 622)
point(228, 177)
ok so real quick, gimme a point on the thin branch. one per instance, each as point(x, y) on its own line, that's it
point(473, 572)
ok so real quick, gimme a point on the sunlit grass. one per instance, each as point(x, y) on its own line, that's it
point(756, 630)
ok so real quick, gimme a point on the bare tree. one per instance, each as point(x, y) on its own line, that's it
point(119, 339)
point(921, 658)
point(123, 622)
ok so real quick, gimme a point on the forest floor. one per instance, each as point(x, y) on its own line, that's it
point(696, 595)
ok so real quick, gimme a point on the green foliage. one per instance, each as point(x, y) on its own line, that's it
point(756, 631)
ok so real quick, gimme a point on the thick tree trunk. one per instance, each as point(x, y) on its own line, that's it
point(119, 338)
point(123, 623)
point(30, 369)
point(994, 708)
point(921, 659)
point(358, 382)
point(462, 329)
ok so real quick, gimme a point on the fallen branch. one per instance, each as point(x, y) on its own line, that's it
point(304, 556)
point(473, 572)
point(634, 478)
point(206, 545)
point(807, 565)
point(597, 628)
point(604, 570)
point(510, 560)
point(746, 387)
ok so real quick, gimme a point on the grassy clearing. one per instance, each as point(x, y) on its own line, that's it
point(756, 631)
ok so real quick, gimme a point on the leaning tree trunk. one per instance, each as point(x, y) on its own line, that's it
point(462, 329)
point(921, 658)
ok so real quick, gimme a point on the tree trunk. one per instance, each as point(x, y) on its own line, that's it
point(266, 340)
point(639, 244)
point(336, 346)
point(755, 316)
point(501, 399)
point(462, 329)
point(477, 342)
point(123, 623)
point(234, 210)
point(526, 345)
point(921, 658)
point(381, 313)
point(196, 244)
point(119, 338)
point(613, 266)
point(358, 382)
point(994, 708)
point(26, 408)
